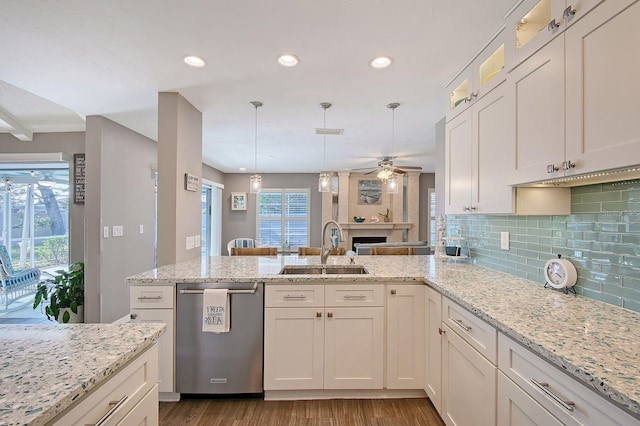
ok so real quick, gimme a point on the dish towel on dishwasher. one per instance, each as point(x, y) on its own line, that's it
point(215, 311)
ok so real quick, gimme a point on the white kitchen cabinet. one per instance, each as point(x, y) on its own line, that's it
point(534, 23)
point(433, 347)
point(468, 383)
point(131, 393)
point(293, 348)
point(324, 337)
point(565, 398)
point(516, 408)
point(602, 126)
point(155, 304)
point(537, 100)
point(405, 336)
point(479, 77)
point(480, 156)
point(354, 348)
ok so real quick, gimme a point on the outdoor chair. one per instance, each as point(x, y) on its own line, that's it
point(15, 284)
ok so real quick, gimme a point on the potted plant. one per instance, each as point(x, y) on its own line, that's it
point(386, 216)
point(66, 298)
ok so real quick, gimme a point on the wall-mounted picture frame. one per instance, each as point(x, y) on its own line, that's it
point(238, 201)
point(370, 191)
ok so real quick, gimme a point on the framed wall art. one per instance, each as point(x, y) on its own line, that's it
point(238, 201)
point(370, 191)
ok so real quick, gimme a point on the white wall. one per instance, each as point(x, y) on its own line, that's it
point(120, 190)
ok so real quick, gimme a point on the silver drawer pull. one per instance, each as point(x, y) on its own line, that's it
point(149, 297)
point(301, 297)
point(544, 387)
point(114, 407)
point(462, 325)
point(354, 297)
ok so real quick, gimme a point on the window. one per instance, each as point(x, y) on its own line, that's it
point(432, 217)
point(283, 217)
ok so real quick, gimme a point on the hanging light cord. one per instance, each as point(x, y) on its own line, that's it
point(255, 162)
point(324, 140)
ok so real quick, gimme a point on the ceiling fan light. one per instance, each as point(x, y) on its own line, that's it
point(385, 173)
point(392, 184)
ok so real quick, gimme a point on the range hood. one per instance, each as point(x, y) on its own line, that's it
point(603, 176)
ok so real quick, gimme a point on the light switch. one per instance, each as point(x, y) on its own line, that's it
point(190, 243)
point(105, 232)
point(142, 229)
point(504, 240)
point(118, 231)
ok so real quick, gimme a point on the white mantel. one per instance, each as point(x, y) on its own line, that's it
point(379, 225)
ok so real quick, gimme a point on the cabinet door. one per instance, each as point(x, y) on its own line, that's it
point(405, 336)
point(353, 348)
point(293, 348)
point(433, 349)
point(493, 153)
point(468, 384)
point(458, 163)
point(146, 412)
point(537, 99)
point(165, 343)
point(516, 408)
point(603, 130)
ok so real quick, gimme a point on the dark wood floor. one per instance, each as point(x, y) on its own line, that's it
point(391, 412)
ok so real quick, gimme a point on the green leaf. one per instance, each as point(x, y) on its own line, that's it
point(66, 316)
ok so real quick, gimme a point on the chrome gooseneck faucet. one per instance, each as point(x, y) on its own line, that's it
point(324, 252)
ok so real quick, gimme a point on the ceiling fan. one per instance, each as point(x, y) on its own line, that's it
point(386, 167)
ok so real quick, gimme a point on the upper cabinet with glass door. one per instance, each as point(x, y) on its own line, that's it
point(534, 23)
point(479, 77)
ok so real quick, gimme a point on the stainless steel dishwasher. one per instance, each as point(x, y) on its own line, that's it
point(224, 363)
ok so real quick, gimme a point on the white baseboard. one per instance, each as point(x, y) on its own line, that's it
point(168, 397)
point(282, 395)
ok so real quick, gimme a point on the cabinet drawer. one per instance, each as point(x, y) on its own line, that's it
point(564, 397)
point(152, 296)
point(354, 295)
point(293, 295)
point(118, 395)
point(472, 329)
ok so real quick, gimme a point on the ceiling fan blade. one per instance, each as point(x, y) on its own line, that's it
point(398, 171)
point(365, 168)
point(372, 171)
point(410, 167)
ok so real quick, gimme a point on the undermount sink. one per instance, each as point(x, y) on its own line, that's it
point(323, 269)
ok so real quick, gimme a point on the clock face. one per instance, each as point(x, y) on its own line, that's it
point(556, 274)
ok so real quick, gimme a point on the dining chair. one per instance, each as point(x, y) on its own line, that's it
point(315, 251)
point(254, 251)
point(392, 250)
point(240, 242)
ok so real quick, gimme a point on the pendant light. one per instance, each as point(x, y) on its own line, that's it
point(324, 180)
point(392, 180)
point(255, 183)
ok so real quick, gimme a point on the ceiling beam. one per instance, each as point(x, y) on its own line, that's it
point(18, 130)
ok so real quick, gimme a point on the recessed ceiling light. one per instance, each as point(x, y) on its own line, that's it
point(243, 169)
point(381, 62)
point(194, 61)
point(288, 60)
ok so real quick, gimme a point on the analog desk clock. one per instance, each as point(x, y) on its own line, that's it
point(560, 274)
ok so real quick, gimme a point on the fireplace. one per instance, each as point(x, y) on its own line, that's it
point(366, 240)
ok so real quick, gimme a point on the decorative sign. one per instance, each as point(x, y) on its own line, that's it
point(78, 179)
point(191, 182)
point(238, 201)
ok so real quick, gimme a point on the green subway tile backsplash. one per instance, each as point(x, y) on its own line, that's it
point(601, 238)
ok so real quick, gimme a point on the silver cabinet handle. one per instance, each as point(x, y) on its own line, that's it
point(301, 297)
point(393, 291)
point(330, 314)
point(441, 331)
point(149, 297)
point(462, 325)
point(552, 25)
point(133, 316)
point(568, 165)
point(358, 296)
point(318, 314)
point(568, 12)
point(552, 168)
point(544, 387)
point(114, 406)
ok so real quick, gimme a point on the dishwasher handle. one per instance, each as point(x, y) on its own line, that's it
point(229, 291)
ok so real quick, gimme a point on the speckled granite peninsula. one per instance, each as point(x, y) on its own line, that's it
point(45, 368)
point(596, 343)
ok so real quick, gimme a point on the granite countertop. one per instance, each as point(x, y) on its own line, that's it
point(594, 342)
point(45, 368)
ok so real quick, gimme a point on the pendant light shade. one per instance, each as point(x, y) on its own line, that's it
point(392, 184)
point(255, 183)
point(324, 180)
point(390, 176)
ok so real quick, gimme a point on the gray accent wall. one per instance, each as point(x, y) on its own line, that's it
point(120, 191)
point(241, 223)
point(601, 238)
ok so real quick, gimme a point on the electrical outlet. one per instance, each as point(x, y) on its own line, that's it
point(190, 243)
point(105, 232)
point(141, 229)
point(504, 240)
